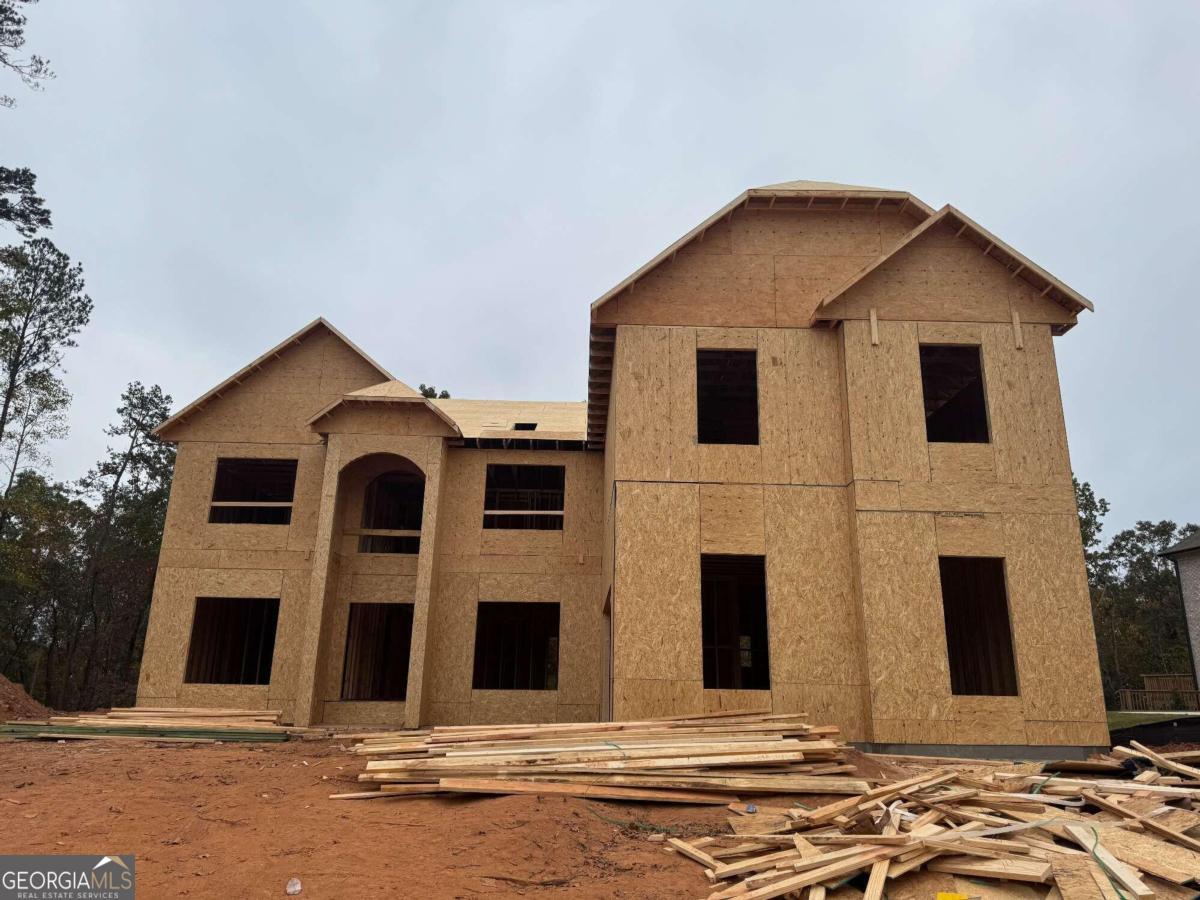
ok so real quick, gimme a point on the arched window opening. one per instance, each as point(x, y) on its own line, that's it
point(391, 519)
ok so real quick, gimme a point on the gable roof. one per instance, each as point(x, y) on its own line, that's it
point(797, 195)
point(1018, 265)
point(391, 391)
point(243, 373)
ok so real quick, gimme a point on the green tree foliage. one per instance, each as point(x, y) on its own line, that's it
point(42, 308)
point(31, 69)
point(432, 393)
point(77, 565)
point(20, 205)
point(1136, 607)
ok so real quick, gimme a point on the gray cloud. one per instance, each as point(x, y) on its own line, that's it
point(452, 184)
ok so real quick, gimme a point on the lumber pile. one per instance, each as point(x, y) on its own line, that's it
point(1125, 826)
point(154, 723)
point(1008, 829)
point(700, 759)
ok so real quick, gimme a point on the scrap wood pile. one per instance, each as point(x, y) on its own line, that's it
point(700, 759)
point(1073, 831)
point(1119, 827)
point(154, 723)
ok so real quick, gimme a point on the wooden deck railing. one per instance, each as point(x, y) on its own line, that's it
point(1168, 683)
point(1158, 701)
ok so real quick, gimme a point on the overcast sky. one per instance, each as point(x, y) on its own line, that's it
point(451, 184)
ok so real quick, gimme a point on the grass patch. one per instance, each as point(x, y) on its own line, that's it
point(1129, 719)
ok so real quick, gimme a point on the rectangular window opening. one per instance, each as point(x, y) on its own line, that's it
point(233, 640)
point(253, 492)
point(528, 497)
point(978, 632)
point(516, 647)
point(525, 426)
point(727, 396)
point(955, 403)
point(378, 644)
point(733, 599)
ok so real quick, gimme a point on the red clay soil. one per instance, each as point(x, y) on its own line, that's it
point(16, 704)
point(239, 820)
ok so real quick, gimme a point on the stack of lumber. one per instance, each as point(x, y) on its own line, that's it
point(154, 723)
point(1120, 827)
point(700, 759)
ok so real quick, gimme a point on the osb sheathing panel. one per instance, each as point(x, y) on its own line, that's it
point(970, 534)
point(949, 333)
point(641, 370)
point(987, 720)
point(360, 712)
point(476, 564)
point(883, 387)
point(656, 608)
point(723, 701)
point(1057, 667)
point(878, 495)
point(460, 519)
point(904, 628)
point(844, 705)
point(962, 462)
point(230, 696)
point(643, 698)
point(1025, 406)
point(985, 497)
point(812, 620)
point(939, 277)
point(451, 642)
point(489, 707)
point(517, 541)
point(815, 407)
point(187, 524)
point(170, 626)
point(1057, 673)
point(732, 519)
point(274, 404)
point(385, 418)
point(759, 268)
point(653, 426)
point(1091, 734)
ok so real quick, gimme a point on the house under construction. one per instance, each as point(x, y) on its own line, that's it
point(822, 466)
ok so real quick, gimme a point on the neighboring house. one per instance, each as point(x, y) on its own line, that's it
point(822, 467)
point(1186, 556)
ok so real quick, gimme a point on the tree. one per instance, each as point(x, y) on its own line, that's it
point(1092, 510)
point(432, 393)
point(20, 204)
point(32, 69)
point(129, 490)
point(1136, 607)
point(39, 415)
point(42, 308)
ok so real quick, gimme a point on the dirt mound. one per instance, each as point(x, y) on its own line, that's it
point(16, 704)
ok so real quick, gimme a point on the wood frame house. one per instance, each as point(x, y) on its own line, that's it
point(822, 466)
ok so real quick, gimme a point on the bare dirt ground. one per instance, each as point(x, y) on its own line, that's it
point(239, 820)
